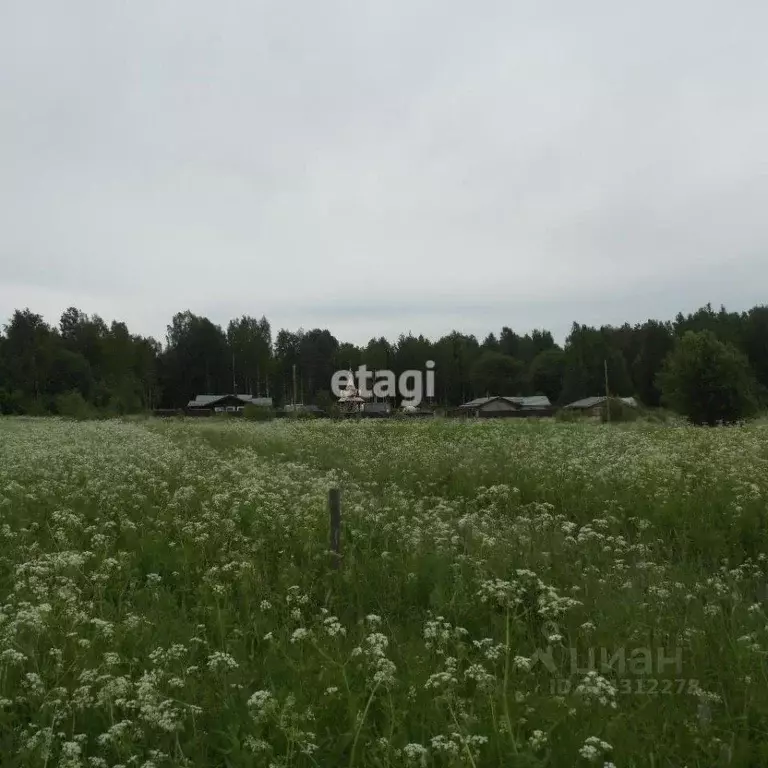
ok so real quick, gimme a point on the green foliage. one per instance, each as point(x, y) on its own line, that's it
point(70, 371)
point(495, 373)
point(120, 373)
point(708, 381)
point(250, 348)
point(656, 416)
point(74, 406)
point(124, 396)
point(586, 353)
point(454, 356)
point(325, 400)
point(258, 413)
point(301, 415)
point(546, 373)
point(755, 345)
point(11, 402)
point(35, 406)
point(619, 411)
point(111, 370)
point(524, 348)
point(655, 342)
point(568, 415)
point(197, 359)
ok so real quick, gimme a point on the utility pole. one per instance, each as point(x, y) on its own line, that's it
point(607, 396)
point(234, 384)
point(294, 383)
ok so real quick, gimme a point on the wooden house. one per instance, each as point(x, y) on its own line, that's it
point(496, 407)
point(205, 405)
point(594, 406)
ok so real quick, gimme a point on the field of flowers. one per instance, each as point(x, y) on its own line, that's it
point(510, 594)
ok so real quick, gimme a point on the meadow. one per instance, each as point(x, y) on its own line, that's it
point(509, 594)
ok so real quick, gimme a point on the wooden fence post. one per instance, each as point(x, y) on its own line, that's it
point(334, 505)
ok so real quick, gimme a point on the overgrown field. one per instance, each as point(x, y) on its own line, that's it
point(511, 594)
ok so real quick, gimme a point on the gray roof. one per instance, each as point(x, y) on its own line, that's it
point(534, 401)
point(203, 401)
point(592, 402)
point(478, 401)
point(586, 402)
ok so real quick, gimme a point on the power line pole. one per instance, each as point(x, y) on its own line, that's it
point(234, 384)
point(294, 384)
point(607, 396)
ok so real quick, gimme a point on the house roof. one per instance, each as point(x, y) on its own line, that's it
point(586, 402)
point(477, 402)
point(591, 402)
point(534, 401)
point(205, 401)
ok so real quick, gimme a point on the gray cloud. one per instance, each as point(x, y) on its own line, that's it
point(378, 168)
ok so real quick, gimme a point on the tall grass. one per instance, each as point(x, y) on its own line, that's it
point(167, 598)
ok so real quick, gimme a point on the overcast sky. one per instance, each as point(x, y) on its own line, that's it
point(383, 167)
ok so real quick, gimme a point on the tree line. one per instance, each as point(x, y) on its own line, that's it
point(44, 367)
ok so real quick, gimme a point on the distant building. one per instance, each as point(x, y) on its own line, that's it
point(376, 410)
point(413, 411)
point(495, 407)
point(350, 402)
point(225, 403)
point(594, 405)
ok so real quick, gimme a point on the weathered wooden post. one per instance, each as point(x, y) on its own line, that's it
point(334, 505)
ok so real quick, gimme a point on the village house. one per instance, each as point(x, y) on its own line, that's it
point(414, 411)
point(352, 403)
point(205, 405)
point(594, 406)
point(497, 406)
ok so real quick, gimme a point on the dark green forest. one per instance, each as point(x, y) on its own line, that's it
point(118, 372)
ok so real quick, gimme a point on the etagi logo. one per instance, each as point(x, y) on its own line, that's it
point(410, 386)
